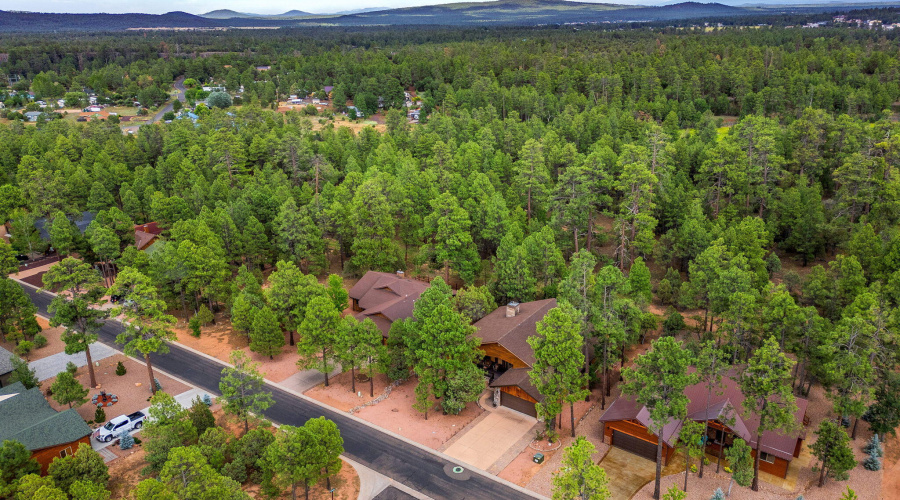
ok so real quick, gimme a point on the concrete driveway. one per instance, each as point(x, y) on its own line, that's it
point(487, 441)
point(627, 473)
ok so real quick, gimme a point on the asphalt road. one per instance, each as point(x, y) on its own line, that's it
point(418, 469)
point(179, 88)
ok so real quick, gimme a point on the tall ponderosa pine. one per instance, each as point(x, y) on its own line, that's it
point(832, 449)
point(657, 380)
point(77, 307)
point(266, 337)
point(580, 478)
point(148, 329)
point(319, 336)
point(766, 385)
point(557, 370)
point(241, 388)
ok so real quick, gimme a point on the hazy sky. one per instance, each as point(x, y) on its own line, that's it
point(202, 6)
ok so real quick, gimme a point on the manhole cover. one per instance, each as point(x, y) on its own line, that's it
point(457, 472)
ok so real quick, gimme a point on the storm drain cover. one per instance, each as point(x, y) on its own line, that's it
point(457, 472)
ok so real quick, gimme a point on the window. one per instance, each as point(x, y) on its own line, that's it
point(65, 452)
point(765, 457)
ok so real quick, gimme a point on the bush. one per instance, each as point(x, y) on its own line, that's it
point(99, 415)
point(673, 323)
point(718, 495)
point(694, 468)
point(874, 447)
point(137, 440)
point(120, 369)
point(39, 341)
point(24, 348)
point(205, 316)
point(872, 463)
point(207, 400)
point(773, 264)
point(194, 325)
point(125, 440)
point(158, 385)
point(706, 461)
point(71, 368)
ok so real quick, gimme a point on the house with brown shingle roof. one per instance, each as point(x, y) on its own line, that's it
point(145, 235)
point(385, 298)
point(507, 355)
point(626, 426)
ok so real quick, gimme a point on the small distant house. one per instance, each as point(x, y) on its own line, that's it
point(146, 236)
point(61, 103)
point(81, 222)
point(6, 366)
point(33, 116)
point(27, 417)
point(263, 68)
point(414, 115)
point(94, 109)
point(359, 114)
point(92, 99)
point(214, 89)
point(385, 298)
point(2, 106)
point(327, 89)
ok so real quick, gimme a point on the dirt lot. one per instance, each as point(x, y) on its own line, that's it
point(219, 340)
point(54, 342)
point(131, 397)
point(397, 415)
point(339, 395)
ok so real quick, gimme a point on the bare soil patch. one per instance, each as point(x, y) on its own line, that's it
point(339, 395)
point(397, 415)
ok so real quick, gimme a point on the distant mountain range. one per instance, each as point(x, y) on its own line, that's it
point(491, 13)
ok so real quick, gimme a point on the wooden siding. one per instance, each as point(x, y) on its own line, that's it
point(639, 431)
point(46, 455)
point(517, 392)
point(498, 351)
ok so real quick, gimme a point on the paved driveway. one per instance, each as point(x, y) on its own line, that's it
point(50, 366)
point(627, 473)
point(485, 443)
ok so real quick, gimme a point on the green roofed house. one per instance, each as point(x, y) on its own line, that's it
point(6, 366)
point(26, 417)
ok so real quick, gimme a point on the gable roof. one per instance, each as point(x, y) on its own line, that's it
point(518, 377)
point(81, 222)
point(386, 297)
point(724, 407)
point(512, 333)
point(6, 365)
point(27, 417)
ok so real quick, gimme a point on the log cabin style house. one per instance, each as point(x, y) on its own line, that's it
point(507, 355)
point(385, 298)
point(626, 426)
point(26, 417)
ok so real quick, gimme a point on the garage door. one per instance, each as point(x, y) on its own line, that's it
point(635, 445)
point(518, 404)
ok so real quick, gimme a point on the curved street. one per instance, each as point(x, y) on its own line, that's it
point(416, 467)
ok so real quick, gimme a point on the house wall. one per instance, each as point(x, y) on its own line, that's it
point(517, 392)
point(46, 455)
point(638, 431)
point(498, 351)
point(778, 468)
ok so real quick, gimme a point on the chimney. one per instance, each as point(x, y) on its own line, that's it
point(512, 309)
point(400, 274)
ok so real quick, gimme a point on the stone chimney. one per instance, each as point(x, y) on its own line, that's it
point(401, 274)
point(512, 309)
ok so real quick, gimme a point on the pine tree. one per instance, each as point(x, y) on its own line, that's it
point(319, 336)
point(768, 395)
point(241, 388)
point(266, 337)
point(833, 451)
point(68, 391)
point(657, 380)
point(741, 462)
point(556, 372)
point(579, 476)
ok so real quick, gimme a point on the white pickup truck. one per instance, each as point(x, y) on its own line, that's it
point(114, 427)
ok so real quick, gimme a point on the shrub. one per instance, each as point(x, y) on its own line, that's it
point(207, 400)
point(71, 368)
point(194, 325)
point(39, 341)
point(125, 440)
point(205, 315)
point(694, 468)
point(727, 469)
point(24, 347)
point(773, 264)
point(718, 495)
point(872, 463)
point(874, 447)
point(158, 385)
point(99, 415)
point(706, 461)
point(120, 369)
point(673, 323)
point(137, 440)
